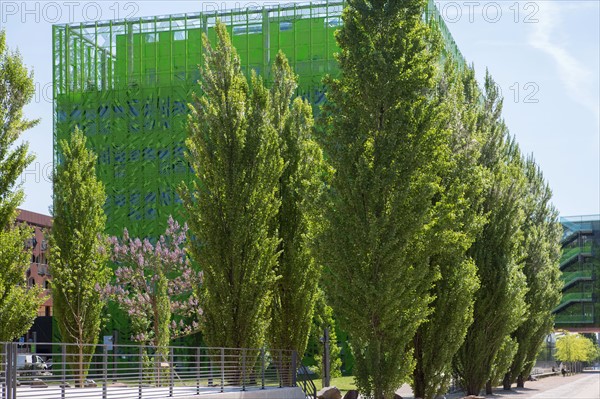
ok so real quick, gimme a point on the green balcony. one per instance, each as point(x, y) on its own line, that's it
point(569, 255)
point(574, 318)
point(573, 297)
point(570, 278)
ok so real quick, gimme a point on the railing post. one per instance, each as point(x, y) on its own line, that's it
point(14, 370)
point(262, 368)
point(222, 369)
point(171, 372)
point(3, 368)
point(294, 367)
point(243, 369)
point(157, 362)
point(141, 371)
point(198, 364)
point(115, 357)
point(211, 370)
point(8, 372)
point(104, 371)
point(63, 386)
point(280, 368)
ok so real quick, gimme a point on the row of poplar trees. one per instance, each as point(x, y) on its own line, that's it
point(440, 247)
point(431, 234)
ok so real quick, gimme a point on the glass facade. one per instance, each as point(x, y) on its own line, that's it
point(580, 266)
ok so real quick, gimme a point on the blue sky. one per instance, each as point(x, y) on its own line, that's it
point(544, 55)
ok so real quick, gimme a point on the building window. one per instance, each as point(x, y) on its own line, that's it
point(151, 37)
point(48, 311)
point(180, 35)
point(333, 22)
point(31, 282)
point(285, 26)
point(247, 30)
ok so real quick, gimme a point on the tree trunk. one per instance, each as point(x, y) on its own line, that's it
point(418, 374)
point(506, 385)
point(520, 381)
point(419, 384)
point(157, 354)
point(80, 367)
point(472, 389)
point(488, 388)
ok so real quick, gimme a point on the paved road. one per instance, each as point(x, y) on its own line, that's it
point(578, 386)
point(586, 387)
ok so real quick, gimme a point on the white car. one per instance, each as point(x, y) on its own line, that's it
point(31, 362)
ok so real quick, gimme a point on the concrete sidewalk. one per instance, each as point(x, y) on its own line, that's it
point(578, 386)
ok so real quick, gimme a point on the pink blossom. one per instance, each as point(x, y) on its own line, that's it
point(142, 265)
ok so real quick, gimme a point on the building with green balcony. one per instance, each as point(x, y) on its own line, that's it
point(579, 309)
point(126, 85)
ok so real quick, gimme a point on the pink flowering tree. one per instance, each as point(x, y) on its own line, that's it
point(154, 286)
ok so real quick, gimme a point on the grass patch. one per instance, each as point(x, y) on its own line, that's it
point(344, 384)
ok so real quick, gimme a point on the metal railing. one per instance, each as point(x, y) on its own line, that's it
point(130, 371)
point(306, 383)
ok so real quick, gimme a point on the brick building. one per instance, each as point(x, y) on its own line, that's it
point(38, 273)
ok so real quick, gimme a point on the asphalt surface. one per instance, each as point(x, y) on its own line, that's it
point(578, 386)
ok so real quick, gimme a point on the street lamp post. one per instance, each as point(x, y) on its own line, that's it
point(326, 377)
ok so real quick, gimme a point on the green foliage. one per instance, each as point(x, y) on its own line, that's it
point(78, 256)
point(346, 355)
point(499, 303)
point(232, 203)
point(573, 348)
point(504, 358)
point(18, 303)
point(458, 220)
point(16, 91)
point(386, 140)
point(542, 234)
point(297, 222)
point(323, 317)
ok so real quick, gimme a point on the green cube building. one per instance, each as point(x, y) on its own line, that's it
point(126, 85)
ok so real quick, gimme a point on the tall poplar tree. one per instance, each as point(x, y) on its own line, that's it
point(499, 303)
point(232, 203)
point(18, 304)
point(79, 255)
point(300, 190)
point(542, 234)
point(458, 221)
point(384, 137)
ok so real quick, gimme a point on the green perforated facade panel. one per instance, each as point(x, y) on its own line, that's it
point(126, 84)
